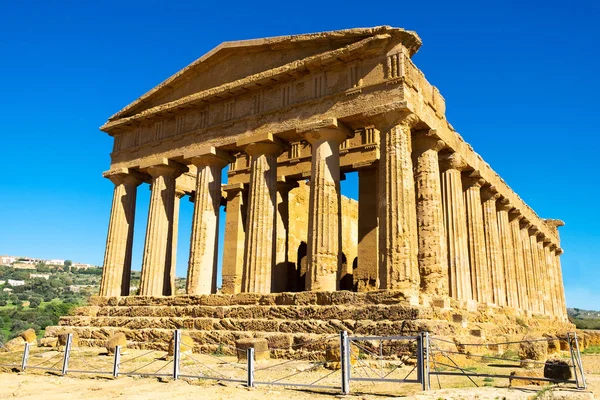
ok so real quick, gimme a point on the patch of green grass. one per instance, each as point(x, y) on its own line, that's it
point(219, 351)
point(592, 350)
point(521, 322)
point(510, 355)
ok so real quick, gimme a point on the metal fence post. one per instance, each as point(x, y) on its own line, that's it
point(572, 352)
point(117, 361)
point(176, 354)
point(345, 362)
point(65, 366)
point(584, 385)
point(25, 357)
point(427, 377)
point(250, 359)
point(420, 363)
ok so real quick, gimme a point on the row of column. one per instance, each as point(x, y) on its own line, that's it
point(441, 230)
point(473, 244)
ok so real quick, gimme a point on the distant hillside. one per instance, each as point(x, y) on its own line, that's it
point(584, 319)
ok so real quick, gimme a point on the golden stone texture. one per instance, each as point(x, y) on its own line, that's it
point(292, 116)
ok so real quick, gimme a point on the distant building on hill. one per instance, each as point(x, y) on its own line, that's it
point(83, 266)
point(13, 282)
point(55, 262)
point(7, 260)
point(43, 276)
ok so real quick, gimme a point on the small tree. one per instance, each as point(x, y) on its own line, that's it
point(68, 263)
point(34, 302)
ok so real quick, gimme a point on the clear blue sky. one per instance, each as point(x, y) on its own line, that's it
point(520, 79)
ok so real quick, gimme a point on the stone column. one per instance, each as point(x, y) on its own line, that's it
point(156, 265)
point(550, 286)
point(541, 273)
point(481, 280)
point(170, 274)
point(538, 295)
point(259, 255)
point(455, 223)
point(283, 268)
point(507, 249)
point(324, 218)
point(561, 287)
point(528, 265)
point(398, 243)
point(432, 251)
point(554, 291)
point(521, 276)
point(202, 268)
point(366, 275)
point(116, 270)
point(233, 248)
point(493, 246)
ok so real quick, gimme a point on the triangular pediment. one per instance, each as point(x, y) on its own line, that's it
point(232, 61)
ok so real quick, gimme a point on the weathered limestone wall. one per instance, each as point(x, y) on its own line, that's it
point(298, 231)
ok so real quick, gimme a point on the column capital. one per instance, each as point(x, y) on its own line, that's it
point(452, 161)
point(325, 130)
point(209, 155)
point(233, 188)
point(473, 179)
point(515, 214)
point(262, 143)
point(489, 193)
point(525, 223)
point(390, 115)
point(427, 140)
point(503, 204)
point(559, 251)
point(532, 230)
point(164, 167)
point(125, 175)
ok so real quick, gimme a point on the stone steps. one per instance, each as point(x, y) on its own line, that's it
point(294, 312)
point(287, 320)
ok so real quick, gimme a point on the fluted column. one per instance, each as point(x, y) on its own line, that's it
point(398, 244)
point(561, 287)
point(535, 258)
point(170, 275)
point(432, 251)
point(324, 218)
point(156, 265)
point(116, 270)
point(507, 249)
point(202, 268)
point(528, 265)
point(481, 280)
point(493, 246)
point(543, 274)
point(455, 223)
point(366, 274)
point(554, 292)
point(284, 269)
point(550, 279)
point(233, 247)
point(520, 274)
point(259, 255)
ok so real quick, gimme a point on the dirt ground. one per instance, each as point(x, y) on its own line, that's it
point(36, 383)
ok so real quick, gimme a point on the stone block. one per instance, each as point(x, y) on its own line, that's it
point(534, 349)
point(62, 339)
point(118, 339)
point(16, 344)
point(186, 344)
point(441, 302)
point(524, 374)
point(260, 345)
point(48, 342)
point(460, 319)
point(333, 358)
point(557, 369)
point(29, 335)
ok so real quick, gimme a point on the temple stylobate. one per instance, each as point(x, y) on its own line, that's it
point(434, 220)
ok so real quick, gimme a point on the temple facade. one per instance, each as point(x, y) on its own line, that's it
point(434, 220)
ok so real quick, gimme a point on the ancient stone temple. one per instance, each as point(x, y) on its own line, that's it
point(437, 228)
